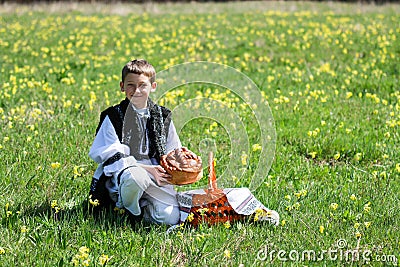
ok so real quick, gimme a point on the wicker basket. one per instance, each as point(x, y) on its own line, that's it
point(213, 206)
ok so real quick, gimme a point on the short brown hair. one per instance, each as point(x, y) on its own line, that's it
point(139, 66)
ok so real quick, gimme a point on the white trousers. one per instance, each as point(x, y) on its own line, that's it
point(138, 191)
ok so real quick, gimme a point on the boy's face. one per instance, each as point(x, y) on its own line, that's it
point(137, 89)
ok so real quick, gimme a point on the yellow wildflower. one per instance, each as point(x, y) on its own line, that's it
point(55, 165)
point(321, 229)
point(367, 224)
point(103, 259)
point(256, 147)
point(190, 217)
point(54, 204)
point(203, 211)
point(353, 197)
point(367, 207)
point(398, 167)
point(244, 159)
point(336, 156)
point(358, 157)
point(94, 203)
point(227, 254)
point(334, 206)
point(78, 171)
point(313, 154)
point(2, 251)
point(259, 213)
point(84, 251)
point(227, 224)
point(358, 234)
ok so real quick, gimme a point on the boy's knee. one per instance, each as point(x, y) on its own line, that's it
point(137, 174)
point(162, 214)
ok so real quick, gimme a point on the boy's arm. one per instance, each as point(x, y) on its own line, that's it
point(109, 151)
point(173, 140)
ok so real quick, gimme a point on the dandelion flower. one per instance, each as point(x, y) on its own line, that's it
point(336, 156)
point(321, 229)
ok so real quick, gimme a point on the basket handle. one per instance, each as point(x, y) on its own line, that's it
point(212, 178)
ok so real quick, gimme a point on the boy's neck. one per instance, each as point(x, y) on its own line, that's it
point(139, 106)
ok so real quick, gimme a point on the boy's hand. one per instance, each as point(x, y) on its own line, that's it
point(159, 174)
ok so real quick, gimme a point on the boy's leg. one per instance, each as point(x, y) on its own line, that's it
point(160, 205)
point(133, 182)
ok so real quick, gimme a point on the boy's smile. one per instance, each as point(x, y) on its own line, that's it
point(137, 89)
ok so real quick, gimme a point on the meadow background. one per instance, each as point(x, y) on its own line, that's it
point(329, 71)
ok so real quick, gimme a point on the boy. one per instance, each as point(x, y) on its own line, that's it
point(130, 139)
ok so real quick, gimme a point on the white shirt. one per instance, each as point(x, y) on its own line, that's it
point(106, 144)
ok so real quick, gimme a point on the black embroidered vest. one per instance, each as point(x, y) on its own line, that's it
point(125, 121)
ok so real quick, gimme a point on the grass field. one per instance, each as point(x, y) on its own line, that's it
point(330, 73)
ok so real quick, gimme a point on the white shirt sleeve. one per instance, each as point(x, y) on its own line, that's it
point(105, 145)
point(173, 140)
